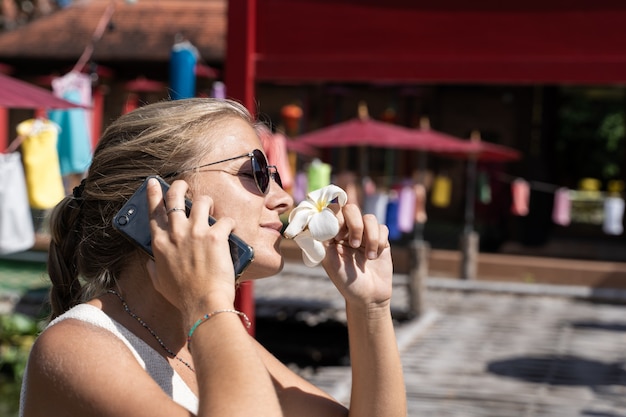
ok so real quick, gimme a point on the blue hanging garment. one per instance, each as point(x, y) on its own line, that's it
point(391, 217)
point(183, 59)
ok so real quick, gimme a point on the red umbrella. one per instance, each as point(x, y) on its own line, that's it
point(357, 132)
point(18, 94)
point(485, 151)
point(366, 132)
point(426, 139)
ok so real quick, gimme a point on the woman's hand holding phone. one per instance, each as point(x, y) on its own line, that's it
point(192, 266)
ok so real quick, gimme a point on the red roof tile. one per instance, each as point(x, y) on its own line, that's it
point(139, 31)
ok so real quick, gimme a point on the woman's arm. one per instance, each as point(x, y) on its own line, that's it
point(377, 382)
point(194, 271)
point(359, 263)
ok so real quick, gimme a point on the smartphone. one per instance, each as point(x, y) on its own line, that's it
point(133, 221)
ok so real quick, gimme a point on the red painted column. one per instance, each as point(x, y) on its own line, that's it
point(239, 79)
point(4, 116)
point(97, 114)
point(4, 128)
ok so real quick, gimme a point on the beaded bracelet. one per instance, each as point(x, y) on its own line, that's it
point(207, 316)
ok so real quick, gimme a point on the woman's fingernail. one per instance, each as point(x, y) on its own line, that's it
point(355, 243)
point(372, 255)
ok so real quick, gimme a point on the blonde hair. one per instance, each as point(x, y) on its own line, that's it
point(86, 254)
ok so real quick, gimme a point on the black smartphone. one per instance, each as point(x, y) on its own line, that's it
point(133, 222)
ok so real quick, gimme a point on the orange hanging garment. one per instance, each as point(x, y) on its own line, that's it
point(521, 196)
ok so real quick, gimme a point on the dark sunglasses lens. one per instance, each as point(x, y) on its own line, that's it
point(261, 174)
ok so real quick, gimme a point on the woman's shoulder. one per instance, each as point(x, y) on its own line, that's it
point(69, 351)
point(71, 367)
point(84, 334)
point(85, 313)
point(78, 333)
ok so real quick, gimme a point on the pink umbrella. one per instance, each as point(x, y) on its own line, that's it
point(18, 94)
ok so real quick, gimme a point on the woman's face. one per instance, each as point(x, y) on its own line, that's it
point(235, 194)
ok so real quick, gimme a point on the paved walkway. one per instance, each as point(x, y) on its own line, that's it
point(480, 348)
point(486, 349)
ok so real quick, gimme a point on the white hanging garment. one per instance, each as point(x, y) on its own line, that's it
point(17, 232)
point(613, 216)
point(376, 204)
point(561, 211)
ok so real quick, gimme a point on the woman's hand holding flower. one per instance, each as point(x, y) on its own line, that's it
point(313, 222)
point(353, 248)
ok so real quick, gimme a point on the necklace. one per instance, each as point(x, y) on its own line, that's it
point(145, 326)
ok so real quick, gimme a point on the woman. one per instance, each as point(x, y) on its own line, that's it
point(121, 343)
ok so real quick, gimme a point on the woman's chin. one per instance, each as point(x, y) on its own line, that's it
point(263, 267)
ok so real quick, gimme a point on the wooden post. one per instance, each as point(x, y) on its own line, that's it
point(470, 238)
point(469, 250)
point(420, 252)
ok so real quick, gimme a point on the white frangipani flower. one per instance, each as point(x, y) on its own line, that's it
point(312, 223)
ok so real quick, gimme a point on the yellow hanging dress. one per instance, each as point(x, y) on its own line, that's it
point(41, 163)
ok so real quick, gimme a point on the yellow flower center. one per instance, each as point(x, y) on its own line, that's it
point(320, 205)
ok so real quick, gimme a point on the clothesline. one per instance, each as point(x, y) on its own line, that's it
point(547, 187)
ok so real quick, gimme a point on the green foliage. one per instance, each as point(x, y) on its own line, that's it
point(590, 140)
point(17, 334)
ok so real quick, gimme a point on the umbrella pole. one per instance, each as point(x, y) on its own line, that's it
point(418, 229)
point(363, 161)
point(469, 240)
point(419, 251)
point(470, 195)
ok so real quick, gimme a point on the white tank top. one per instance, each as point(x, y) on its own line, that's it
point(155, 364)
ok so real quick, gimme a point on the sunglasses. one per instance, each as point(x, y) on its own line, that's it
point(261, 171)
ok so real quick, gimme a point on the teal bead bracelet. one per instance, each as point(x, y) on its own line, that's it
point(207, 316)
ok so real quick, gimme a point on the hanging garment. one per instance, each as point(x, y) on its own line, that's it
point(318, 175)
point(613, 216)
point(391, 216)
point(376, 204)
point(484, 188)
point(406, 208)
point(442, 191)
point(561, 211)
point(300, 186)
point(41, 163)
point(521, 195)
point(17, 232)
point(275, 146)
point(420, 203)
point(183, 59)
point(218, 90)
point(76, 82)
point(369, 186)
point(74, 142)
